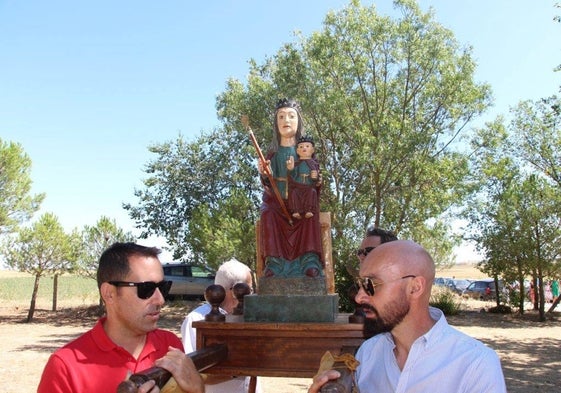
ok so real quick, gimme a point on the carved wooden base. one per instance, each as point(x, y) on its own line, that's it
point(277, 349)
point(291, 308)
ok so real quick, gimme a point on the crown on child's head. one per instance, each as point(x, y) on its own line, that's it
point(306, 139)
point(287, 103)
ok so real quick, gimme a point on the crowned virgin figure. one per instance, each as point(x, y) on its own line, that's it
point(289, 247)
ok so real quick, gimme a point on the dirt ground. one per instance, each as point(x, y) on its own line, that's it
point(530, 351)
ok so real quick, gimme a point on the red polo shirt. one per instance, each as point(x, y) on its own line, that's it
point(93, 363)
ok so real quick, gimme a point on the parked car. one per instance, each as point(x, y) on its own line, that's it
point(483, 289)
point(459, 285)
point(188, 281)
point(442, 281)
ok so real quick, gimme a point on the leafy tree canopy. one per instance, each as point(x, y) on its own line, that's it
point(516, 213)
point(387, 101)
point(16, 204)
point(42, 249)
point(95, 239)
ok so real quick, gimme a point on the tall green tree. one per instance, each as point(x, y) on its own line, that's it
point(95, 239)
point(202, 197)
point(541, 214)
point(536, 134)
point(493, 221)
point(17, 205)
point(519, 233)
point(515, 215)
point(386, 100)
point(224, 232)
point(41, 250)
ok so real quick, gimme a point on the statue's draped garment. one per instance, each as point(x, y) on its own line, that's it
point(280, 239)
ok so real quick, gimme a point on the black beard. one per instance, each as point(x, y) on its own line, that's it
point(373, 327)
point(395, 312)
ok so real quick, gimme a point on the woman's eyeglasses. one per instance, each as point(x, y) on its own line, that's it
point(369, 286)
point(364, 251)
point(145, 290)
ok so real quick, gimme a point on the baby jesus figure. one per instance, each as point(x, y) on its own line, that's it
point(304, 173)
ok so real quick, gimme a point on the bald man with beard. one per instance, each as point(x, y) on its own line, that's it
point(413, 349)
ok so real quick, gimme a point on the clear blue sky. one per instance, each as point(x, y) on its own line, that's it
point(86, 86)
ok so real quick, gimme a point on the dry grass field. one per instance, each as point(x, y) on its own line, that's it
point(461, 271)
point(529, 350)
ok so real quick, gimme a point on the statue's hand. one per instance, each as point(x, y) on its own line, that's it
point(290, 163)
point(260, 167)
point(319, 180)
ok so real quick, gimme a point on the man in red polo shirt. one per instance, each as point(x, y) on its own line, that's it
point(126, 340)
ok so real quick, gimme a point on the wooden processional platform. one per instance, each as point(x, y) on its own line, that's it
point(274, 349)
point(280, 349)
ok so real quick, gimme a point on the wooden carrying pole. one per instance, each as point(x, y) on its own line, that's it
point(345, 364)
point(343, 384)
point(202, 359)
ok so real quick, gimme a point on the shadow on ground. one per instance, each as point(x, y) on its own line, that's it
point(529, 364)
point(482, 318)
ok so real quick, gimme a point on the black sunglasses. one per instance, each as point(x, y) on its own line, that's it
point(146, 289)
point(369, 287)
point(364, 251)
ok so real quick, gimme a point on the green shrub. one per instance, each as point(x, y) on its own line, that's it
point(446, 300)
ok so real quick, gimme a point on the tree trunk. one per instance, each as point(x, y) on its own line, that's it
point(542, 296)
point(522, 292)
point(497, 291)
point(55, 291)
point(555, 303)
point(522, 296)
point(33, 298)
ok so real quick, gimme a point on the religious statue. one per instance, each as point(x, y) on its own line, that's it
point(290, 247)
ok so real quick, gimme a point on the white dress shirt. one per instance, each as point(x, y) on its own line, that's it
point(189, 338)
point(444, 360)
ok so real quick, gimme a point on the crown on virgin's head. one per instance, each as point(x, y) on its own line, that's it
point(287, 103)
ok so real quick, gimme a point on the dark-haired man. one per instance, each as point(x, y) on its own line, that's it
point(373, 238)
point(131, 282)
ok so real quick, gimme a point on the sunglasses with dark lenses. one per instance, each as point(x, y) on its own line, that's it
point(145, 290)
point(364, 251)
point(369, 286)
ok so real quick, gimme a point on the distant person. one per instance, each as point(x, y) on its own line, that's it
point(532, 295)
point(414, 350)
point(373, 238)
point(131, 283)
point(547, 292)
point(555, 289)
point(229, 274)
point(488, 293)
